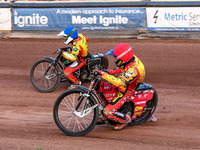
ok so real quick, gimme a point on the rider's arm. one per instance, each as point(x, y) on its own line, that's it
point(130, 75)
point(112, 79)
point(74, 54)
point(114, 71)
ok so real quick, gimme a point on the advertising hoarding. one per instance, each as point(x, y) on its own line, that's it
point(173, 19)
point(5, 19)
point(81, 18)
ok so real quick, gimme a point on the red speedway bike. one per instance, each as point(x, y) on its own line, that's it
point(77, 110)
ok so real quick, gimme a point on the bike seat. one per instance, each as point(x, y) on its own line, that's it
point(97, 55)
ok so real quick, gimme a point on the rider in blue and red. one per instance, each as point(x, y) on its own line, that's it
point(78, 54)
point(132, 72)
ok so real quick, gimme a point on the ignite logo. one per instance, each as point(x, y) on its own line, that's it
point(34, 20)
point(155, 16)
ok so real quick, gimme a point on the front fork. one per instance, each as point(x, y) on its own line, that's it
point(80, 99)
point(85, 111)
point(53, 67)
point(84, 98)
point(51, 74)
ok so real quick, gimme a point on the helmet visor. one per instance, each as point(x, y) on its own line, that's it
point(110, 52)
point(68, 40)
point(62, 34)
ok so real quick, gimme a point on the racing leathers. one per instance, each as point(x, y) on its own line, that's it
point(78, 54)
point(131, 74)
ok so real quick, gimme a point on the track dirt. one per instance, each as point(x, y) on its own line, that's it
point(172, 67)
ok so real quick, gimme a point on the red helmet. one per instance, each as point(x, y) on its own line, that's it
point(122, 52)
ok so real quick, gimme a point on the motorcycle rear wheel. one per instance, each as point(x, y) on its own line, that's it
point(104, 63)
point(44, 77)
point(67, 120)
point(148, 111)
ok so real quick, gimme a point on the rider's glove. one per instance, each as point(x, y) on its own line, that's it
point(97, 72)
point(66, 49)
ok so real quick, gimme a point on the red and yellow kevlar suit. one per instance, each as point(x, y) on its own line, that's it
point(78, 55)
point(132, 74)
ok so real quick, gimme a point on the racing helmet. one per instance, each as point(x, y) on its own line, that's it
point(69, 34)
point(122, 52)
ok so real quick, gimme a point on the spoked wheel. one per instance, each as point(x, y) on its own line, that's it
point(148, 111)
point(74, 113)
point(45, 76)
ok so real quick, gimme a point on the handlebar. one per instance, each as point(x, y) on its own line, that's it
point(96, 73)
point(98, 77)
point(94, 82)
point(58, 52)
point(66, 49)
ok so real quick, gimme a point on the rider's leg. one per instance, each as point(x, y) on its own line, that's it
point(69, 71)
point(110, 111)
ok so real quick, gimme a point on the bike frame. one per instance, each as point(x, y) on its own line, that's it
point(89, 90)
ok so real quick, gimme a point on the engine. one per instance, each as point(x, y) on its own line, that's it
point(83, 75)
point(94, 64)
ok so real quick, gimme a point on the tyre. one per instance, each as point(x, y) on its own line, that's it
point(148, 111)
point(44, 76)
point(68, 119)
point(104, 63)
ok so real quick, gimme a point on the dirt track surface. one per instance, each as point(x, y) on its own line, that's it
point(172, 67)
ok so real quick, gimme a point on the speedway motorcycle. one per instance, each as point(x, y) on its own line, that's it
point(78, 109)
point(47, 73)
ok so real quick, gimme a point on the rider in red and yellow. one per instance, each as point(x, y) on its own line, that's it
point(132, 74)
point(78, 54)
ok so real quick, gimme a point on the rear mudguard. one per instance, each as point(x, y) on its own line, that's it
point(143, 93)
point(144, 86)
point(86, 89)
point(52, 60)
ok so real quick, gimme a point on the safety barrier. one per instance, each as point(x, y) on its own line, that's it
point(77, 4)
point(122, 19)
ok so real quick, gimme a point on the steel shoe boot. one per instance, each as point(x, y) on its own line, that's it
point(120, 126)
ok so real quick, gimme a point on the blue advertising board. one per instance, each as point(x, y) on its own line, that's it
point(81, 18)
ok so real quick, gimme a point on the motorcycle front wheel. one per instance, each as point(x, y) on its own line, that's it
point(45, 76)
point(75, 114)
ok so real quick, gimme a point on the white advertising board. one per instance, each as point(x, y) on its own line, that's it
point(5, 19)
point(173, 18)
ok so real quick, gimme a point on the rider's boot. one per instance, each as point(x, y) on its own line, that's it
point(120, 126)
point(153, 118)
